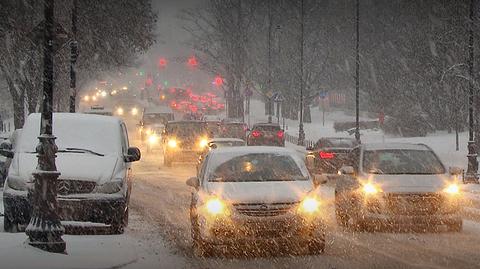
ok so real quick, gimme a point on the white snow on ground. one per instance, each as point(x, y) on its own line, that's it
point(86, 251)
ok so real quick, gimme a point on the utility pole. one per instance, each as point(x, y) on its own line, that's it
point(301, 132)
point(471, 175)
point(269, 82)
point(357, 72)
point(45, 230)
point(73, 58)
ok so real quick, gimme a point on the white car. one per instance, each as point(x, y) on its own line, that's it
point(94, 161)
point(399, 185)
point(255, 193)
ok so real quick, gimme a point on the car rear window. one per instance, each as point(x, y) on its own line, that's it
point(268, 128)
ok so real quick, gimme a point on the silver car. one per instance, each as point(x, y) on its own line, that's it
point(246, 194)
point(402, 185)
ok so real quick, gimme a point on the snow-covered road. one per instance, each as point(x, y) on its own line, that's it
point(162, 198)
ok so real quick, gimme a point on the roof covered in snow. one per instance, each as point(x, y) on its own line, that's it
point(387, 146)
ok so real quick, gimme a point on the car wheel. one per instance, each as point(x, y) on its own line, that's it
point(167, 161)
point(341, 213)
point(118, 227)
point(9, 226)
point(316, 246)
point(455, 226)
point(200, 247)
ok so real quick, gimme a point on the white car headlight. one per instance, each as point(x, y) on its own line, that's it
point(310, 205)
point(109, 187)
point(452, 189)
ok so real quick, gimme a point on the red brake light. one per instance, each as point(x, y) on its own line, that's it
point(280, 134)
point(256, 133)
point(326, 155)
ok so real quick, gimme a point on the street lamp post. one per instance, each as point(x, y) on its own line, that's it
point(471, 174)
point(301, 132)
point(45, 230)
point(357, 72)
point(73, 58)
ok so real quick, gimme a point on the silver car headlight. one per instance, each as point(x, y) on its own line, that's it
point(109, 187)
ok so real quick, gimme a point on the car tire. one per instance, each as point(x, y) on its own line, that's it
point(167, 161)
point(200, 247)
point(455, 226)
point(118, 227)
point(341, 214)
point(10, 226)
point(316, 246)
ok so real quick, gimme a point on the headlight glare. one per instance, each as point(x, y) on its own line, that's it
point(203, 143)
point(153, 139)
point(215, 206)
point(370, 189)
point(452, 189)
point(310, 205)
point(172, 143)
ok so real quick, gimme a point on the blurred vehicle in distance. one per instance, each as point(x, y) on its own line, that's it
point(233, 129)
point(404, 185)
point(99, 110)
point(250, 194)
point(329, 154)
point(266, 134)
point(94, 161)
point(184, 141)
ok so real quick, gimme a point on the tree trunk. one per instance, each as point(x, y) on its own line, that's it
point(18, 105)
point(307, 116)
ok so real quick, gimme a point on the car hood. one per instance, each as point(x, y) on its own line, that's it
point(261, 192)
point(76, 166)
point(411, 183)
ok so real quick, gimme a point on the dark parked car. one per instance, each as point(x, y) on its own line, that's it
point(329, 154)
point(233, 130)
point(266, 134)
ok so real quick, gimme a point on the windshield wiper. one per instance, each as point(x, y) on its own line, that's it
point(81, 151)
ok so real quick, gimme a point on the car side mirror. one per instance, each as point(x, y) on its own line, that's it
point(455, 171)
point(347, 170)
point(193, 182)
point(133, 155)
point(319, 179)
point(6, 150)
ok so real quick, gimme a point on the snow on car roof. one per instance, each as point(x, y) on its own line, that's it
point(88, 131)
point(227, 139)
point(387, 146)
point(158, 109)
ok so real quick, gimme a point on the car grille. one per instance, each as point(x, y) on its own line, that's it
point(264, 209)
point(66, 187)
point(414, 204)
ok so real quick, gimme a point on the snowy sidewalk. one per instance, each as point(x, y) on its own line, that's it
point(88, 251)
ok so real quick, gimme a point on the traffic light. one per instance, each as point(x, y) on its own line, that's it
point(218, 81)
point(192, 61)
point(162, 63)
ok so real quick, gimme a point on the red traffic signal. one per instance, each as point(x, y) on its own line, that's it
point(162, 63)
point(192, 61)
point(218, 81)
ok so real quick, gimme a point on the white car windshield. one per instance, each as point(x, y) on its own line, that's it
point(257, 167)
point(399, 161)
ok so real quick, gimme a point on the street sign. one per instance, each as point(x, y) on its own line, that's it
point(323, 94)
point(61, 36)
point(278, 97)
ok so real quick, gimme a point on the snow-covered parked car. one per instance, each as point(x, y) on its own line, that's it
point(399, 185)
point(94, 161)
point(255, 194)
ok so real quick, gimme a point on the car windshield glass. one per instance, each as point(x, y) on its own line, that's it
point(339, 143)
point(267, 128)
point(157, 118)
point(399, 161)
point(186, 129)
point(257, 167)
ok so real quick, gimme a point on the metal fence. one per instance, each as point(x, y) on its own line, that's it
point(294, 140)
